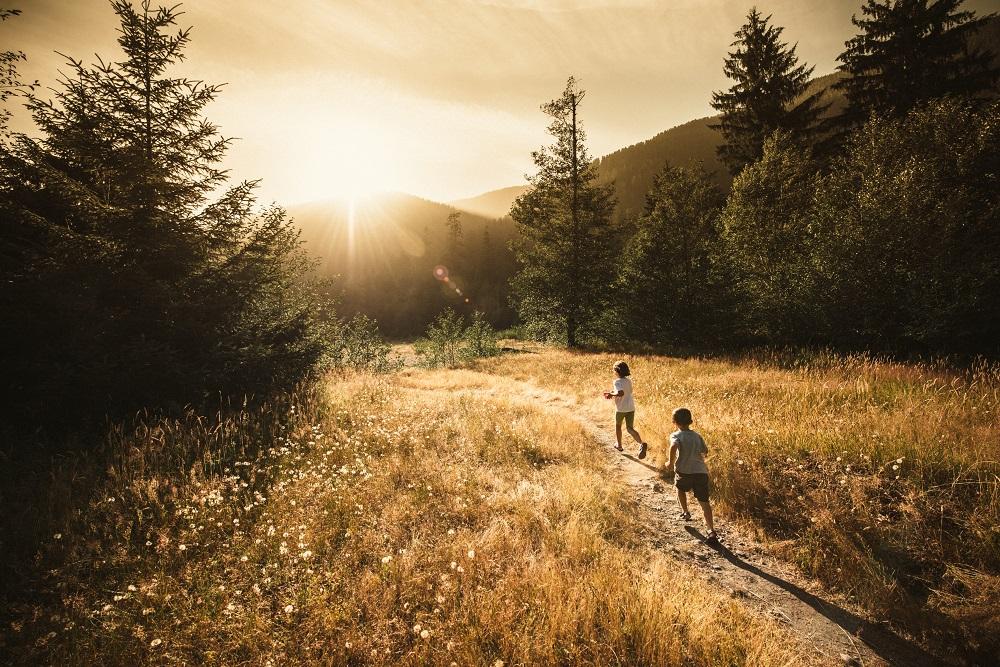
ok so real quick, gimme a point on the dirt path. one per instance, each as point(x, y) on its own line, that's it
point(825, 628)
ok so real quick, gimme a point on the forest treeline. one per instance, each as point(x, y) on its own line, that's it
point(875, 227)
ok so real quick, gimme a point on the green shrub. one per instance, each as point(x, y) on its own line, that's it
point(480, 338)
point(361, 347)
point(448, 342)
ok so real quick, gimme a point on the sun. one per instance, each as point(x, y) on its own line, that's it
point(344, 158)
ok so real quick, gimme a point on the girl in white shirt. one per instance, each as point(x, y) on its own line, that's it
point(624, 407)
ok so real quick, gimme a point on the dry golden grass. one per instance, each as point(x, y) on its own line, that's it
point(880, 478)
point(378, 521)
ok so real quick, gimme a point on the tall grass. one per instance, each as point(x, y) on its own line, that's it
point(880, 478)
point(372, 520)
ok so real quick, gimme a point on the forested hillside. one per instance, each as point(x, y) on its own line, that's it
point(492, 204)
point(383, 251)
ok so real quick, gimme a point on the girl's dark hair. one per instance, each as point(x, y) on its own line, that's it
point(622, 369)
point(682, 416)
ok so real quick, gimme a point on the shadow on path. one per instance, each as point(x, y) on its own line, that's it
point(881, 640)
point(632, 457)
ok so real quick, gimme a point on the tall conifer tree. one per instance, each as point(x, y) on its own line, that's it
point(453, 249)
point(768, 94)
point(565, 224)
point(909, 51)
point(675, 295)
point(10, 83)
point(766, 242)
point(125, 284)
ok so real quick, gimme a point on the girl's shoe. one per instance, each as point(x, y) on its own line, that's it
point(642, 451)
point(686, 516)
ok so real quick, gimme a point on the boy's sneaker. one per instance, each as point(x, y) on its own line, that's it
point(642, 451)
point(686, 516)
point(712, 537)
point(619, 448)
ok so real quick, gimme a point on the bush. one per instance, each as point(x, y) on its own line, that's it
point(480, 338)
point(448, 342)
point(361, 347)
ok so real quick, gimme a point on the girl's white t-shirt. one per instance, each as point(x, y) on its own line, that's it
point(623, 403)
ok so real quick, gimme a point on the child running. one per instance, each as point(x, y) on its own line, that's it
point(688, 450)
point(624, 407)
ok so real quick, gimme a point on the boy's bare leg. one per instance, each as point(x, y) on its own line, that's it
point(706, 508)
point(635, 435)
point(682, 498)
point(618, 434)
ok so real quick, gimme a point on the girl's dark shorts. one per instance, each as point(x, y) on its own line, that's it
point(697, 482)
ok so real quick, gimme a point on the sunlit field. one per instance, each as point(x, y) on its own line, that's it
point(878, 478)
point(370, 521)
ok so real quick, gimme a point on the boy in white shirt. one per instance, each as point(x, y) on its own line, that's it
point(624, 407)
point(687, 451)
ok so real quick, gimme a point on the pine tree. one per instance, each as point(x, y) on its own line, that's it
point(909, 51)
point(766, 240)
point(768, 94)
point(669, 269)
point(565, 224)
point(10, 83)
point(453, 239)
point(126, 284)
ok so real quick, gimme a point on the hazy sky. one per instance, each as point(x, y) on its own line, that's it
point(439, 97)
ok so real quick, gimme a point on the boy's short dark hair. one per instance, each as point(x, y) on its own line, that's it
point(682, 416)
point(621, 368)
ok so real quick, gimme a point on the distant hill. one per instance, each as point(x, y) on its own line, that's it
point(383, 252)
point(493, 204)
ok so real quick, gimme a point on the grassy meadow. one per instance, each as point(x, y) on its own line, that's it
point(880, 479)
point(457, 517)
point(370, 520)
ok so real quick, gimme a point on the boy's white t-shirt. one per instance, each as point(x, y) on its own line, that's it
point(691, 452)
point(623, 403)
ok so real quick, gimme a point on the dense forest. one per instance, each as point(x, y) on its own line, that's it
point(862, 217)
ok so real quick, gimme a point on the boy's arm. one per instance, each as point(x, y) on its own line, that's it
point(673, 456)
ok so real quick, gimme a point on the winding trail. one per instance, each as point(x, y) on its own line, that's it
point(826, 628)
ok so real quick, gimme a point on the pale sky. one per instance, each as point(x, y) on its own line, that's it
point(438, 98)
